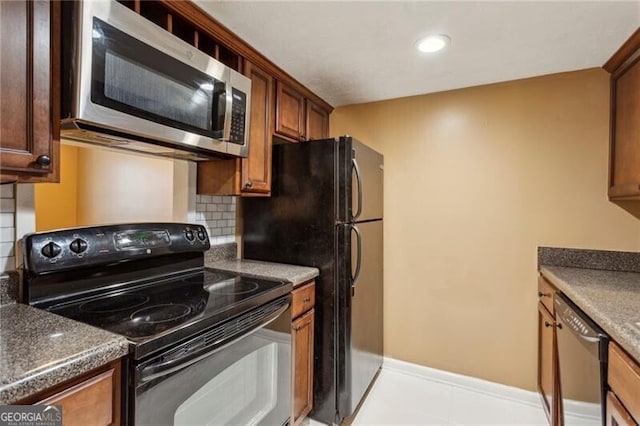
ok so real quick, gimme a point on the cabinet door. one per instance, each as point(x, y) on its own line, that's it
point(290, 116)
point(624, 170)
point(303, 298)
point(616, 413)
point(251, 175)
point(256, 168)
point(302, 366)
point(29, 117)
point(625, 149)
point(90, 400)
point(623, 376)
point(317, 123)
point(547, 364)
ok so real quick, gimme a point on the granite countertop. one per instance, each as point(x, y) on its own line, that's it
point(39, 350)
point(610, 298)
point(279, 271)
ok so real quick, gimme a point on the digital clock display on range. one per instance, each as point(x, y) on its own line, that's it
point(131, 240)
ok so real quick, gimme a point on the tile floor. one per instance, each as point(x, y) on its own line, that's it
point(398, 398)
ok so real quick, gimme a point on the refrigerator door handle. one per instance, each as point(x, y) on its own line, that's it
point(355, 275)
point(359, 180)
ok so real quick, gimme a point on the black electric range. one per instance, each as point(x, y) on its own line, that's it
point(146, 282)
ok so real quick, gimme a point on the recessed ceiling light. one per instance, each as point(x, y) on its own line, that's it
point(433, 43)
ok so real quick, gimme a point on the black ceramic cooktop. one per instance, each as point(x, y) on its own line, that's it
point(162, 312)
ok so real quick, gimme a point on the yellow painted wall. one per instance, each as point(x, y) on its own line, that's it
point(475, 180)
point(56, 203)
point(118, 186)
point(100, 186)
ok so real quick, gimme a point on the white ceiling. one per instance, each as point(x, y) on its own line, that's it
point(352, 52)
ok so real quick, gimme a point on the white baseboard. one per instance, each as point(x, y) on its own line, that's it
point(466, 382)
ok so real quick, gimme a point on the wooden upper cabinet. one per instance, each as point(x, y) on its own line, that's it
point(256, 168)
point(624, 168)
point(290, 112)
point(29, 111)
point(251, 175)
point(317, 122)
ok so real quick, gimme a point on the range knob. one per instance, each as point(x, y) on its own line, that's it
point(189, 235)
point(202, 235)
point(51, 250)
point(78, 246)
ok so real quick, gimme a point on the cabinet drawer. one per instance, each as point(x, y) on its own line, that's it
point(90, 402)
point(624, 380)
point(546, 290)
point(617, 415)
point(303, 299)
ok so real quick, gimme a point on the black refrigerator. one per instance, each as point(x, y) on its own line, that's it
point(326, 211)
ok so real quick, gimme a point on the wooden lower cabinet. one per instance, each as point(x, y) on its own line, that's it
point(303, 361)
point(548, 364)
point(93, 399)
point(617, 415)
point(623, 377)
point(302, 351)
point(548, 373)
point(623, 372)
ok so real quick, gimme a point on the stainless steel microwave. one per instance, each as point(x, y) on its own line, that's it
point(128, 83)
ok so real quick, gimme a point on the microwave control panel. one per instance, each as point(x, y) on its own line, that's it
point(238, 117)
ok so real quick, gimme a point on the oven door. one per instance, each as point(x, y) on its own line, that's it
point(238, 373)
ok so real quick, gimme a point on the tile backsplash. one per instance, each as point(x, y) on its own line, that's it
point(7, 227)
point(218, 215)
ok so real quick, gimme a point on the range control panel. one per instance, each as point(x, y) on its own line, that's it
point(81, 247)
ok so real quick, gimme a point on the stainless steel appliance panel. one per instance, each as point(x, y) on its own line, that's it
point(88, 121)
point(244, 381)
point(367, 183)
point(366, 322)
point(308, 221)
point(582, 354)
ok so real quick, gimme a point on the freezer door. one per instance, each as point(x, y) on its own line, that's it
point(367, 167)
point(365, 348)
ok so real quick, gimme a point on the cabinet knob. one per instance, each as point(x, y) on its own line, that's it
point(548, 324)
point(43, 160)
point(249, 184)
point(306, 299)
point(541, 294)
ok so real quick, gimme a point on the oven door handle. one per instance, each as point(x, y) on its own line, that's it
point(173, 365)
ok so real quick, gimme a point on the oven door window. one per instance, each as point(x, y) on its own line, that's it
point(246, 383)
point(134, 78)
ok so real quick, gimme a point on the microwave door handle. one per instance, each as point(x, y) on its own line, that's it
point(171, 366)
point(226, 136)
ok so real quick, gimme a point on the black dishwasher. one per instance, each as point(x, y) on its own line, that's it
point(582, 359)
